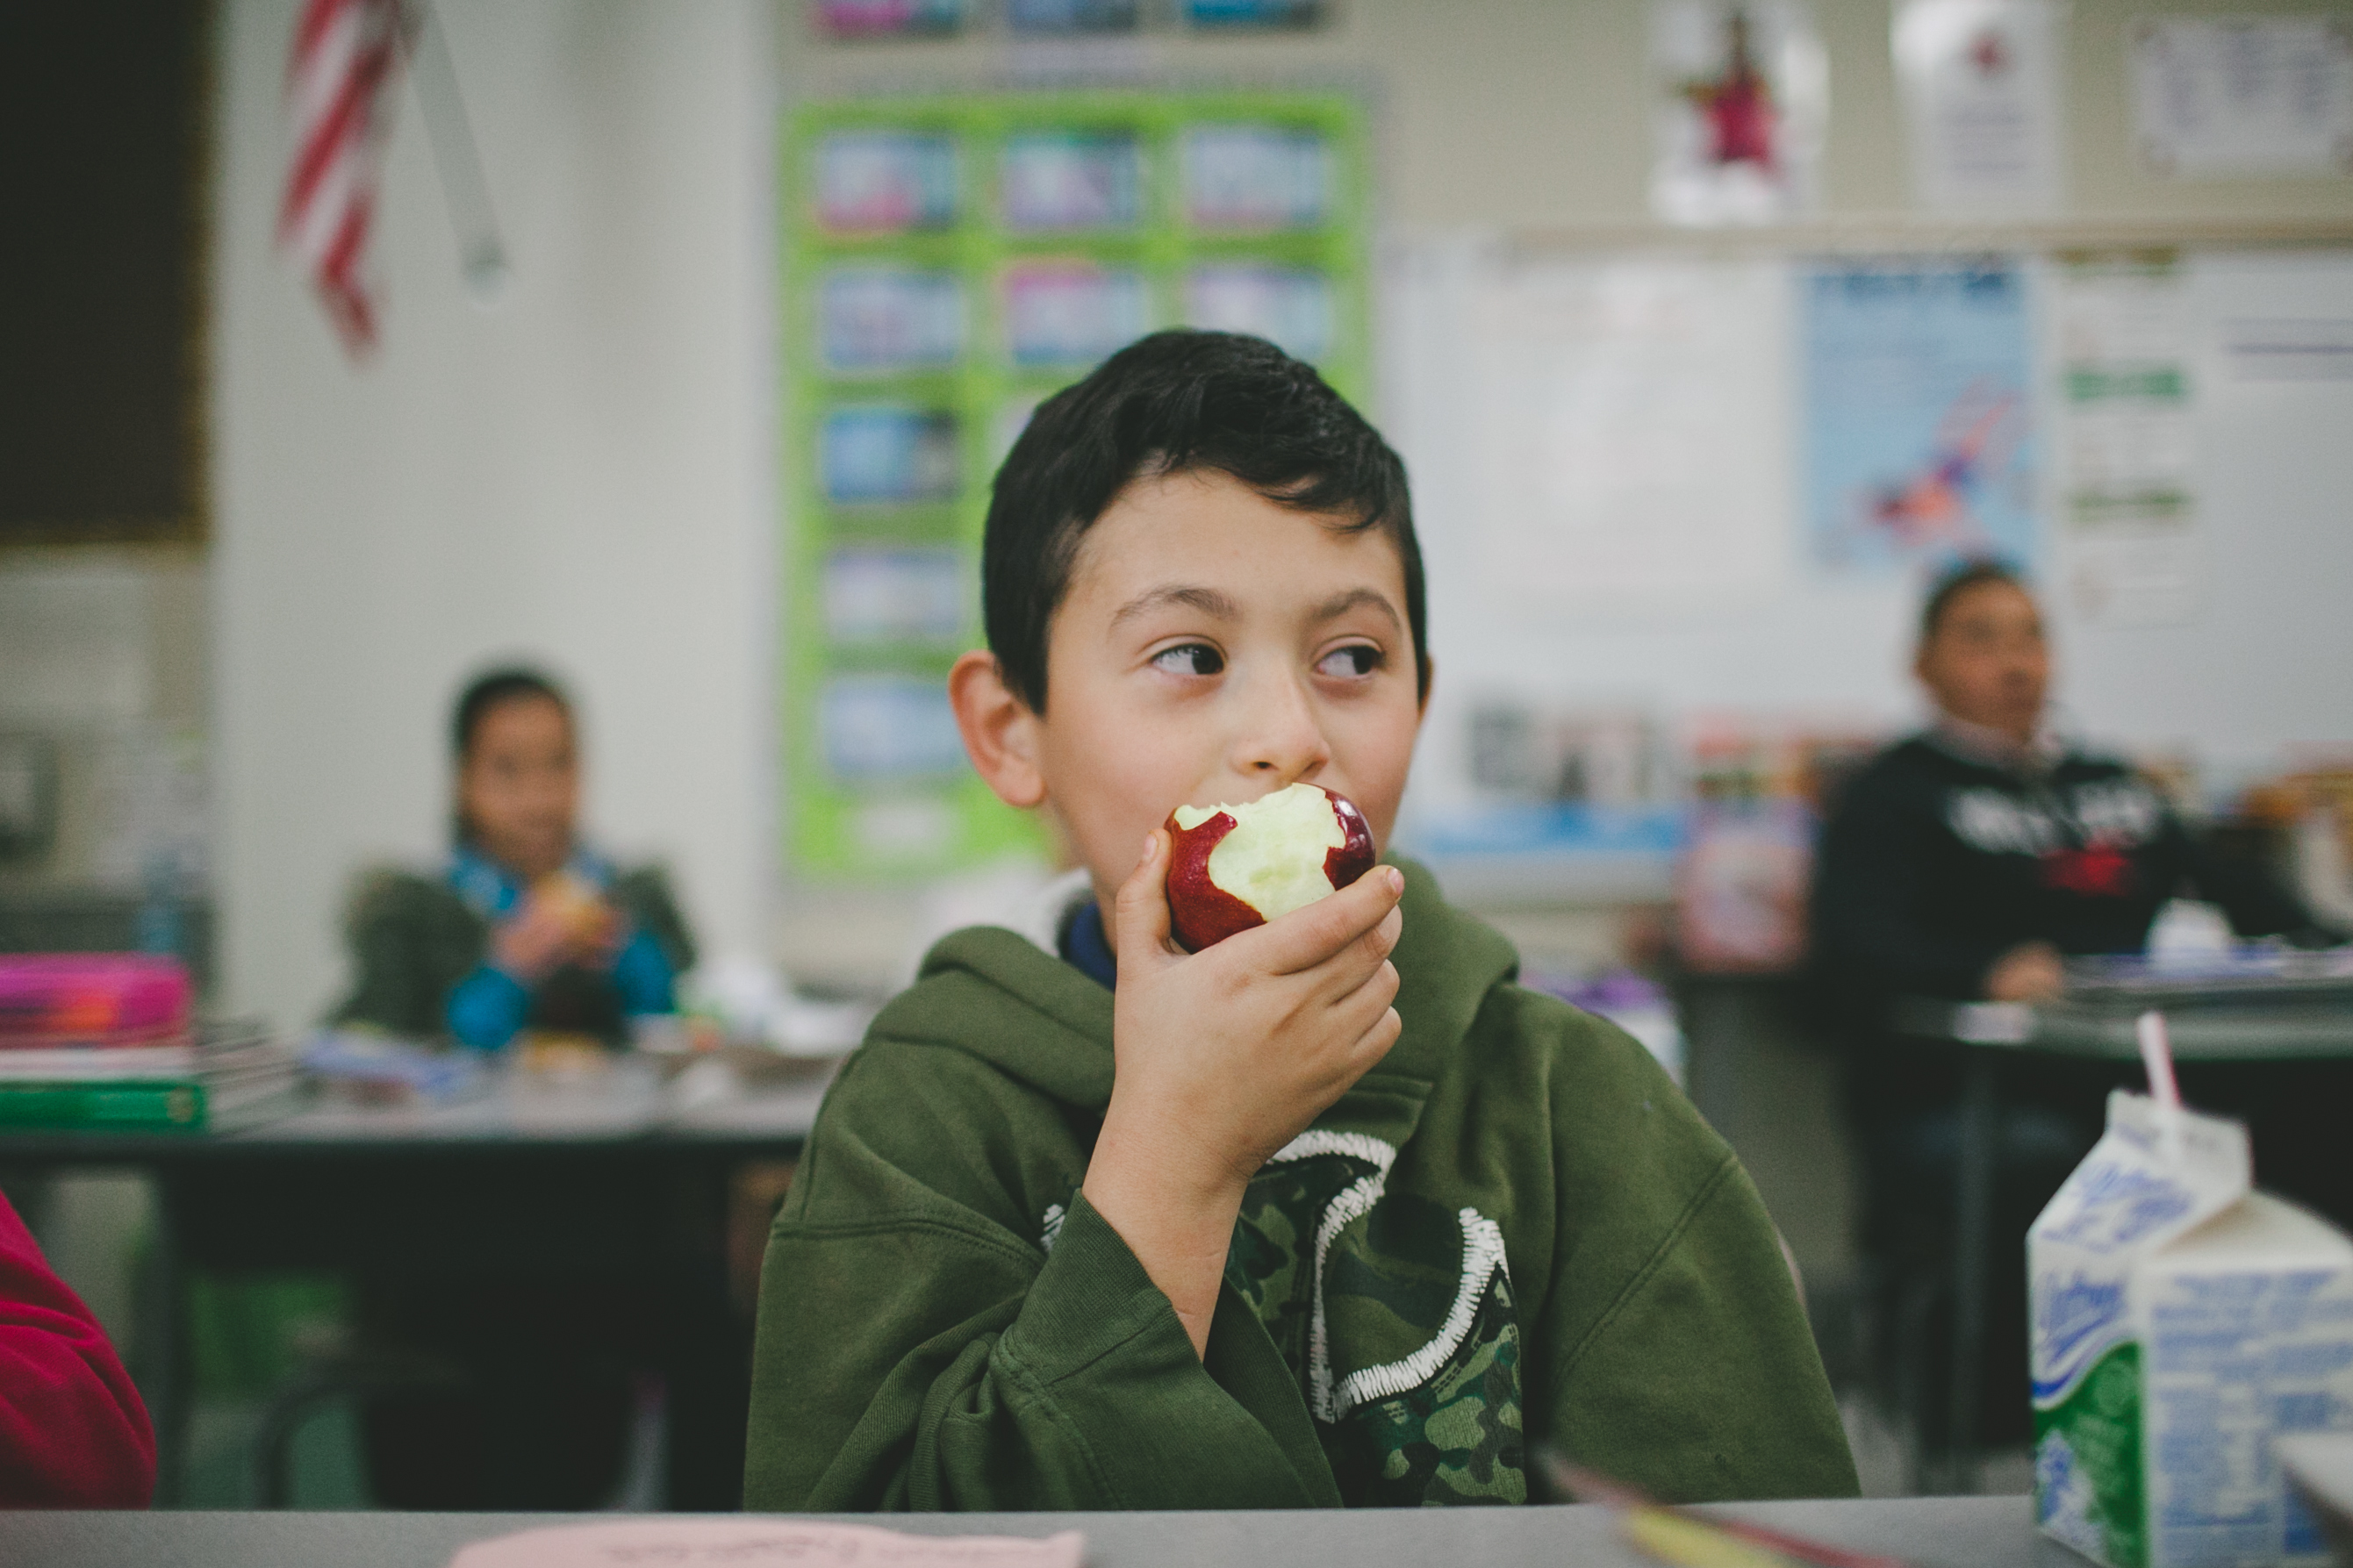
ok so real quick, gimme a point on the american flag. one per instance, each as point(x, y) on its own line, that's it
point(338, 77)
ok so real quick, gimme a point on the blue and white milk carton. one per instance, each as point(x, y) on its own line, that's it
point(2180, 1320)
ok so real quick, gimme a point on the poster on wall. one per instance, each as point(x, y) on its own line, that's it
point(1919, 408)
point(2222, 96)
point(2130, 551)
point(1741, 94)
point(1596, 383)
point(1253, 16)
point(1980, 86)
point(952, 262)
point(1051, 19)
point(886, 19)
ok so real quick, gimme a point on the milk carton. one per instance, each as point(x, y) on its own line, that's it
point(2178, 1319)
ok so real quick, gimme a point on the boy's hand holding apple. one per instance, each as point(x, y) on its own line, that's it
point(1225, 1055)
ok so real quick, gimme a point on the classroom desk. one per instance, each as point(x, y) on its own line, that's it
point(2235, 1024)
point(615, 1166)
point(1979, 1533)
point(629, 1106)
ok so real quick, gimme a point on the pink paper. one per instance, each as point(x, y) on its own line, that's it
point(685, 1541)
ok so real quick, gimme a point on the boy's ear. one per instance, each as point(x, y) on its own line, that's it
point(1000, 732)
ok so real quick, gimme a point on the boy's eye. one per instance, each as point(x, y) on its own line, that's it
point(1190, 659)
point(1355, 660)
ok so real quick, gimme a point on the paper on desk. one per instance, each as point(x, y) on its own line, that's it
point(686, 1542)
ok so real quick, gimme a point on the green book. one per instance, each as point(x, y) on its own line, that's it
point(144, 1105)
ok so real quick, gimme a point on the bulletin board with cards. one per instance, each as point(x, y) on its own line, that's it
point(950, 263)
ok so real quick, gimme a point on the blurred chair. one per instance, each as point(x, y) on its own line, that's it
point(333, 1368)
point(1910, 1172)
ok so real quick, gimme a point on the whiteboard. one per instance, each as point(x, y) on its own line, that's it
point(2264, 665)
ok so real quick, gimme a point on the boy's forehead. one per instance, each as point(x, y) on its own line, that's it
point(1211, 528)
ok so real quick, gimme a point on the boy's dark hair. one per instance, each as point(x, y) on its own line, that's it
point(490, 688)
point(1170, 403)
point(1959, 580)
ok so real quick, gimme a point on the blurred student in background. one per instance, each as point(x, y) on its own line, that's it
point(545, 1368)
point(527, 928)
point(1969, 862)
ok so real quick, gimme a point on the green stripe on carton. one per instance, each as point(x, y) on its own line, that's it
point(2100, 1422)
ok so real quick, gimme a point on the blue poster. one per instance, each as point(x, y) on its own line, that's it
point(1919, 420)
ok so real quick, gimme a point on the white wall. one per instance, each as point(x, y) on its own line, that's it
point(580, 474)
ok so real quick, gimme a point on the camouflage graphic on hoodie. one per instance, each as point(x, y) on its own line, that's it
point(1409, 1354)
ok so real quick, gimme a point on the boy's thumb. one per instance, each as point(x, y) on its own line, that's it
point(1142, 908)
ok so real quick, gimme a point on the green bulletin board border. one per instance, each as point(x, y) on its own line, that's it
point(820, 831)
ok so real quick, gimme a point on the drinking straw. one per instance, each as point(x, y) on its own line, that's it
point(1695, 1540)
point(2157, 1057)
point(1688, 1543)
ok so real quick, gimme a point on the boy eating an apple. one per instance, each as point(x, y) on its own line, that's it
point(1327, 1211)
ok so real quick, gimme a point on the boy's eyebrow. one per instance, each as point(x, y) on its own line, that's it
point(1339, 605)
point(1209, 600)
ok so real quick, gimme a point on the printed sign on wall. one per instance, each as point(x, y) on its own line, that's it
point(1919, 445)
point(1980, 83)
point(2130, 548)
point(2220, 96)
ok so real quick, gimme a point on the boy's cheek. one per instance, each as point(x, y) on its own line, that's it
point(1378, 764)
point(1110, 795)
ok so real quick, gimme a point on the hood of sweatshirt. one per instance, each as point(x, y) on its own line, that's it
point(1447, 962)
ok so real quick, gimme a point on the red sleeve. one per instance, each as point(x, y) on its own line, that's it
point(73, 1432)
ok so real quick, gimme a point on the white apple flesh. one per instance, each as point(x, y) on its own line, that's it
point(1235, 866)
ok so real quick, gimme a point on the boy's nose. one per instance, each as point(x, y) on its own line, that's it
point(1278, 739)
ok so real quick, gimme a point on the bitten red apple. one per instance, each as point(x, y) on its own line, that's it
point(1235, 866)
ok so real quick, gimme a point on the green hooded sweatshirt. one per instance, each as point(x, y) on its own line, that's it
point(1513, 1230)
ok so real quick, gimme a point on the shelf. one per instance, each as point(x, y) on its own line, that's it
point(1877, 234)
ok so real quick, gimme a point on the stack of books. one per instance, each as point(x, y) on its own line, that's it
point(109, 1041)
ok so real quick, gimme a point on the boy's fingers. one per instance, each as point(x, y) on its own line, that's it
point(1141, 909)
point(1376, 1040)
point(1305, 938)
point(1346, 971)
point(1359, 1008)
point(1373, 948)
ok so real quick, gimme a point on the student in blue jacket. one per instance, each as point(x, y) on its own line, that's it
point(526, 927)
